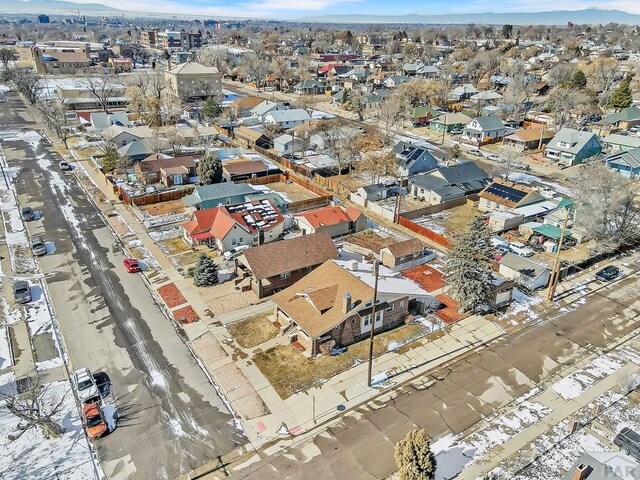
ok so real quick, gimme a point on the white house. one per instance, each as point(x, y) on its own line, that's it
point(524, 272)
point(481, 129)
point(287, 118)
point(262, 109)
point(287, 143)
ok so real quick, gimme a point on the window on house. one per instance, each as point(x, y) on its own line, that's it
point(241, 240)
point(390, 308)
point(366, 321)
point(307, 269)
point(378, 316)
point(337, 327)
point(402, 304)
point(234, 242)
point(285, 275)
point(353, 320)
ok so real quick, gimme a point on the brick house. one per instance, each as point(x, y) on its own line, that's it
point(168, 171)
point(330, 307)
point(267, 270)
point(336, 221)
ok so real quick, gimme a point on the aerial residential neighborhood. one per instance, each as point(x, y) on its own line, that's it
point(325, 240)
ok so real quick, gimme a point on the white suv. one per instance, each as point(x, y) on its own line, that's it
point(521, 249)
point(85, 384)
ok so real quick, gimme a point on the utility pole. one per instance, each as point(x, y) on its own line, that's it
point(376, 270)
point(555, 273)
point(444, 128)
point(396, 216)
point(542, 126)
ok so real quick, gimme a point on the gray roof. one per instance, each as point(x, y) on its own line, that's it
point(377, 188)
point(622, 140)
point(101, 120)
point(265, 107)
point(490, 122)
point(219, 190)
point(523, 265)
point(463, 173)
point(576, 139)
point(630, 157)
point(458, 179)
point(609, 465)
point(293, 115)
point(135, 149)
point(305, 84)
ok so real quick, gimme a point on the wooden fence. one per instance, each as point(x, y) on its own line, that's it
point(425, 232)
point(155, 197)
point(316, 202)
point(438, 207)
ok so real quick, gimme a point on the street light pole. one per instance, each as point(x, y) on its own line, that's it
point(376, 270)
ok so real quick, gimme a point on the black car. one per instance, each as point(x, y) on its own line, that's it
point(22, 292)
point(27, 214)
point(608, 273)
point(629, 442)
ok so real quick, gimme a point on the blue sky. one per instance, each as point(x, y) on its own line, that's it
point(291, 9)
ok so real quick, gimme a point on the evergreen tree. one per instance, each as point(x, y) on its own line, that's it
point(621, 96)
point(205, 272)
point(210, 169)
point(414, 457)
point(211, 110)
point(468, 269)
point(579, 79)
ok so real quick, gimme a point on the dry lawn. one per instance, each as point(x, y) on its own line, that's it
point(189, 258)
point(252, 331)
point(173, 246)
point(292, 191)
point(165, 208)
point(289, 371)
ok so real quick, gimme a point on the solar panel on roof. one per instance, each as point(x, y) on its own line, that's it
point(506, 192)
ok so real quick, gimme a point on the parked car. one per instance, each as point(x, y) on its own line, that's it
point(27, 214)
point(132, 265)
point(521, 249)
point(22, 291)
point(234, 252)
point(85, 385)
point(494, 157)
point(608, 273)
point(455, 132)
point(64, 166)
point(629, 442)
point(38, 247)
point(502, 249)
point(93, 421)
point(476, 152)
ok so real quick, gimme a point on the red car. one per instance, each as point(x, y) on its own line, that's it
point(93, 421)
point(132, 265)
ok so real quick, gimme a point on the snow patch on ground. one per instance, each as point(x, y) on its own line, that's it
point(68, 457)
point(145, 255)
point(573, 385)
point(6, 355)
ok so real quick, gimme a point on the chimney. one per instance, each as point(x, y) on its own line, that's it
point(582, 471)
point(346, 303)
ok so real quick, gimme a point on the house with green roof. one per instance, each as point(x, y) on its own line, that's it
point(226, 193)
point(624, 119)
point(421, 115)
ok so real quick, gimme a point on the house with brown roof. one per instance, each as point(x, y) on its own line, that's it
point(169, 171)
point(250, 223)
point(253, 138)
point(267, 270)
point(531, 138)
point(331, 307)
point(335, 220)
point(243, 168)
point(242, 106)
point(405, 254)
point(504, 196)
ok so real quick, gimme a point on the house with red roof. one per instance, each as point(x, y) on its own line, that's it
point(225, 227)
point(335, 220)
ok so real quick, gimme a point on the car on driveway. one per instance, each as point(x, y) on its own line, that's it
point(132, 265)
point(64, 166)
point(22, 291)
point(85, 385)
point(93, 420)
point(608, 273)
point(476, 152)
point(494, 157)
point(234, 252)
point(27, 214)
point(38, 247)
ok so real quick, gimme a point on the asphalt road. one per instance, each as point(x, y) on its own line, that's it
point(171, 418)
point(361, 444)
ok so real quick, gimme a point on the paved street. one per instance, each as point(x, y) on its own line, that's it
point(171, 418)
point(462, 395)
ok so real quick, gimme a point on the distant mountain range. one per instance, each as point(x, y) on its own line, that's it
point(52, 6)
point(560, 17)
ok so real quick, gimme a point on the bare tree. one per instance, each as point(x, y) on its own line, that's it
point(376, 164)
point(606, 208)
point(602, 73)
point(254, 68)
point(561, 74)
point(7, 54)
point(217, 57)
point(54, 114)
point(563, 102)
point(101, 89)
point(36, 408)
point(507, 162)
point(306, 103)
point(338, 143)
point(390, 115)
point(28, 84)
point(517, 96)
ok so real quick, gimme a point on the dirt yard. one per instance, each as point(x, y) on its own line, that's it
point(252, 331)
point(289, 371)
point(370, 240)
point(225, 298)
point(292, 191)
point(165, 208)
point(173, 246)
point(448, 221)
